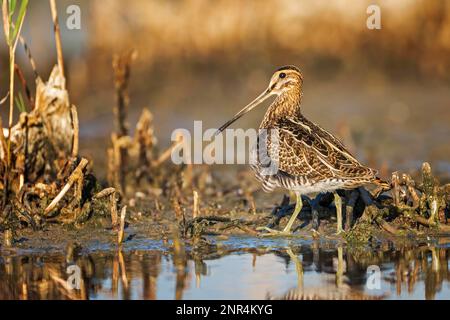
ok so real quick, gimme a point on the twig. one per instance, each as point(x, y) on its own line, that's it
point(72, 179)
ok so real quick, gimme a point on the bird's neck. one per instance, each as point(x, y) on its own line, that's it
point(285, 105)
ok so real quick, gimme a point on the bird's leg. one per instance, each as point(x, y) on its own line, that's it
point(287, 229)
point(338, 205)
point(298, 208)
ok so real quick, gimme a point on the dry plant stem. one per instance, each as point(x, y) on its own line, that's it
point(430, 190)
point(25, 86)
point(387, 226)
point(187, 176)
point(3, 100)
point(428, 223)
point(121, 233)
point(239, 225)
point(116, 162)
point(57, 36)
point(121, 66)
point(30, 57)
point(11, 103)
point(144, 140)
point(411, 190)
point(111, 173)
point(396, 188)
point(179, 213)
point(72, 179)
point(251, 202)
point(114, 216)
point(195, 209)
point(75, 125)
point(8, 238)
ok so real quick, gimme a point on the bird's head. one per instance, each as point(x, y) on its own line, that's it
point(283, 80)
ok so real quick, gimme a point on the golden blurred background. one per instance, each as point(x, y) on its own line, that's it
point(385, 92)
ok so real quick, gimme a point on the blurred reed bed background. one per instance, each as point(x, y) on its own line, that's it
point(385, 92)
point(415, 33)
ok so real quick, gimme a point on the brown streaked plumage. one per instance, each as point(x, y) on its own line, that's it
point(309, 159)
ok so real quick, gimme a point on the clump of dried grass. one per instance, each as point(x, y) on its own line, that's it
point(39, 160)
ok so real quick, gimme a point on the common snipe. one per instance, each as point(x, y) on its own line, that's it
point(309, 159)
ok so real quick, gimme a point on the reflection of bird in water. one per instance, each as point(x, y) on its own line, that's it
point(307, 158)
point(338, 291)
point(344, 292)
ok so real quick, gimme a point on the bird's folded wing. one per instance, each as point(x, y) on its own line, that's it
point(305, 149)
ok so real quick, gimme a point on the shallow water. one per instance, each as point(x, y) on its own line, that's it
point(240, 268)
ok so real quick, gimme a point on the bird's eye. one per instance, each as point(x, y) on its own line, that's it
point(282, 75)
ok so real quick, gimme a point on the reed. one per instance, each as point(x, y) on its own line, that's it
point(13, 17)
point(59, 52)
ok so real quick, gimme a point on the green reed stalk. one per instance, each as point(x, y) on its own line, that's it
point(13, 17)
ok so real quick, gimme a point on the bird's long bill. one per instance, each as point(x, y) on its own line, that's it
point(262, 97)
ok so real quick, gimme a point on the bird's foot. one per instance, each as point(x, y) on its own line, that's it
point(340, 232)
point(272, 232)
